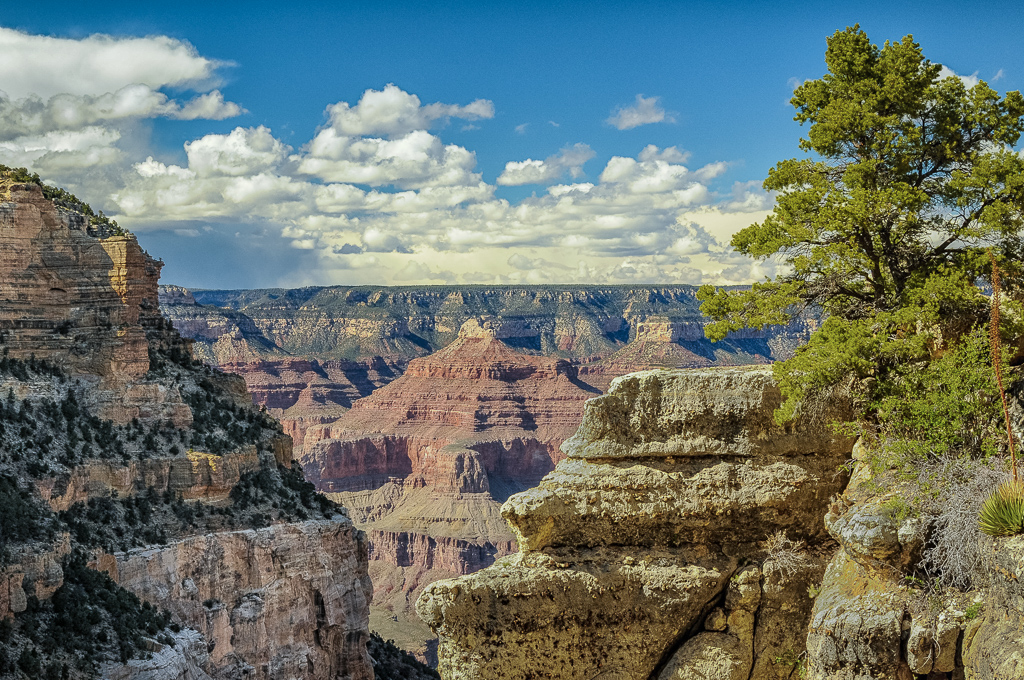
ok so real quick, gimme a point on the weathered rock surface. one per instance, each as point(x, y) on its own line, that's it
point(872, 620)
point(634, 542)
point(185, 660)
point(35, 570)
point(84, 303)
point(287, 601)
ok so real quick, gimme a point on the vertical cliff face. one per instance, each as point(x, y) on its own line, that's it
point(672, 542)
point(120, 455)
point(285, 601)
point(85, 303)
point(70, 296)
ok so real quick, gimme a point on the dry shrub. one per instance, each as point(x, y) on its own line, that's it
point(790, 556)
point(957, 553)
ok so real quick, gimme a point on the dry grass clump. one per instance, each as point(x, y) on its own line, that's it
point(957, 553)
point(790, 556)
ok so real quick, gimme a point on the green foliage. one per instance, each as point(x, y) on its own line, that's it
point(219, 425)
point(24, 518)
point(973, 610)
point(1002, 513)
point(796, 661)
point(391, 662)
point(88, 619)
point(884, 228)
point(939, 410)
point(287, 491)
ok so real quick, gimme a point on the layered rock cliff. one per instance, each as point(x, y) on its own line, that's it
point(129, 471)
point(308, 353)
point(676, 540)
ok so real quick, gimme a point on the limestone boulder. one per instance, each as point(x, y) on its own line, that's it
point(635, 542)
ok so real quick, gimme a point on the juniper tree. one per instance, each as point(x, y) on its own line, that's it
point(909, 178)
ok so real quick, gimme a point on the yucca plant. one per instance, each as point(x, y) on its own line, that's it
point(1002, 513)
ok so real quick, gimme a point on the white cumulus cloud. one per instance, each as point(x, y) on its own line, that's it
point(70, 104)
point(645, 111)
point(46, 66)
point(393, 111)
point(569, 160)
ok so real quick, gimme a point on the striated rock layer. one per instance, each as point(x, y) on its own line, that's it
point(120, 440)
point(643, 554)
point(85, 303)
point(308, 353)
point(425, 461)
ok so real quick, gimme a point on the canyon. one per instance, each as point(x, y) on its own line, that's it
point(424, 447)
point(519, 505)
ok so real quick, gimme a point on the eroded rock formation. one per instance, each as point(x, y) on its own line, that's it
point(873, 619)
point(120, 454)
point(286, 601)
point(85, 303)
point(643, 554)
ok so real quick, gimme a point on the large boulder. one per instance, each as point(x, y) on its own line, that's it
point(638, 540)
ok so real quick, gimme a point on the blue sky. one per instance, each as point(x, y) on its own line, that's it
point(638, 133)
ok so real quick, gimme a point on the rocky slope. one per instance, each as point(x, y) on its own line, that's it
point(129, 471)
point(676, 540)
point(876, 615)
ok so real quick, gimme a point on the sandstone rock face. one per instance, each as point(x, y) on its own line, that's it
point(993, 644)
point(83, 302)
point(68, 295)
point(576, 322)
point(288, 601)
point(35, 570)
point(194, 476)
point(870, 620)
point(303, 393)
point(185, 660)
point(634, 542)
point(373, 334)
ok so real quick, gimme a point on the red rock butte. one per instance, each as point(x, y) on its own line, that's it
point(425, 462)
